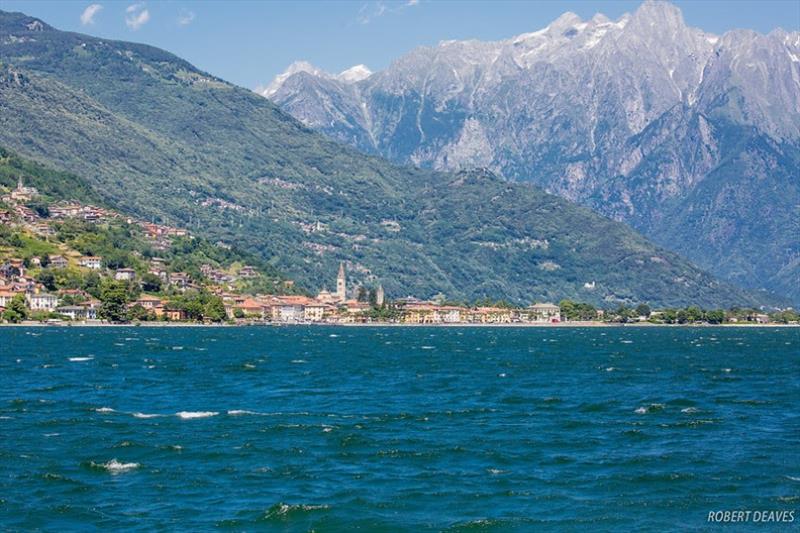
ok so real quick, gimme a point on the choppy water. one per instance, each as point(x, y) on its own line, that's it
point(395, 429)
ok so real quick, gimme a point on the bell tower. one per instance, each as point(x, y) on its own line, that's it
point(341, 284)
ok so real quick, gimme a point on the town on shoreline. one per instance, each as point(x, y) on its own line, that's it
point(82, 264)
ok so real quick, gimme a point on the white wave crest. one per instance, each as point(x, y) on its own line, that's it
point(115, 467)
point(187, 415)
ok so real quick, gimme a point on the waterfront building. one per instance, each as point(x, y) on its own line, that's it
point(42, 301)
point(544, 312)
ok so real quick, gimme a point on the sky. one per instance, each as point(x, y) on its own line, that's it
point(250, 42)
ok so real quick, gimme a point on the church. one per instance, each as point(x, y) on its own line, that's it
point(340, 296)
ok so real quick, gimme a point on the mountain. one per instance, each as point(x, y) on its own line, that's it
point(691, 138)
point(158, 138)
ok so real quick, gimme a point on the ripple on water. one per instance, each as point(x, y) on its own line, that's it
point(286, 511)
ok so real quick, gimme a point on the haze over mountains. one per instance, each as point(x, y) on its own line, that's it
point(689, 137)
point(158, 138)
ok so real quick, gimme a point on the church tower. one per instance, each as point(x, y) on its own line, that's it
point(341, 284)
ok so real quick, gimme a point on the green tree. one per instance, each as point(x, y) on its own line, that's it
point(715, 316)
point(362, 294)
point(215, 309)
point(151, 283)
point(16, 311)
point(238, 313)
point(643, 310)
point(138, 312)
point(48, 279)
point(92, 284)
point(694, 314)
point(113, 301)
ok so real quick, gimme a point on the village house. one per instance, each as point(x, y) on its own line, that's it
point(151, 303)
point(5, 217)
point(761, 318)
point(174, 314)
point(78, 312)
point(180, 280)
point(248, 272)
point(544, 312)
point(316, 311)
point(74, 293)
point(447, 314)
point(26, 214)
point(6, 296)
point(251, 307)
point(124, 274)
point(41, 301)
point(491, 315)
point(417, 313)
point(43, 228)
point(65, 210)
point(286, 308)
point(12, 268)
point(159, 272)
point(22, 193)
point(58, 261)
point(91, 261)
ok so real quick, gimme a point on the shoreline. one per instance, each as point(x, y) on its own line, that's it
point(576, 324)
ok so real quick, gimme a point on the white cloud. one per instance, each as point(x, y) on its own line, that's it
point(185, 18)
point(136, 16)
point(370, 11)
point(87, 17)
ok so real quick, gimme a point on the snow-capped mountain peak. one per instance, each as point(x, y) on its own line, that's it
point(354, 74)
point(294, 68)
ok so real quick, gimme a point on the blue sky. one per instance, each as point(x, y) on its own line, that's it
point(249, 42)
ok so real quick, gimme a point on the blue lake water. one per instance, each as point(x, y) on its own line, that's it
point(395, 429)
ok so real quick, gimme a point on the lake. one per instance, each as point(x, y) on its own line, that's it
point(396, 429)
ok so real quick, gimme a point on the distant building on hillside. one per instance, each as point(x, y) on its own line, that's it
point(91, 261)
point(58, 261)
point(23, 193)
point(248, 272)
point(124, 274)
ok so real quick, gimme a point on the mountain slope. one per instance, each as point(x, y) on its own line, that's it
point(161, 139)
point(637, 118)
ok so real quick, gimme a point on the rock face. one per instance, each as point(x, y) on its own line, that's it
point(692, 138)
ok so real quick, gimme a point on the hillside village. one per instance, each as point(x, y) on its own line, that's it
point(49, 272)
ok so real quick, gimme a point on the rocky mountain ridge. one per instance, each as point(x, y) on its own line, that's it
point(638, 118)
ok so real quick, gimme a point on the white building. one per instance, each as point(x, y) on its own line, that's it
point(124, 274)
point(42, 301)
point(91, 261)
point(544, 312)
